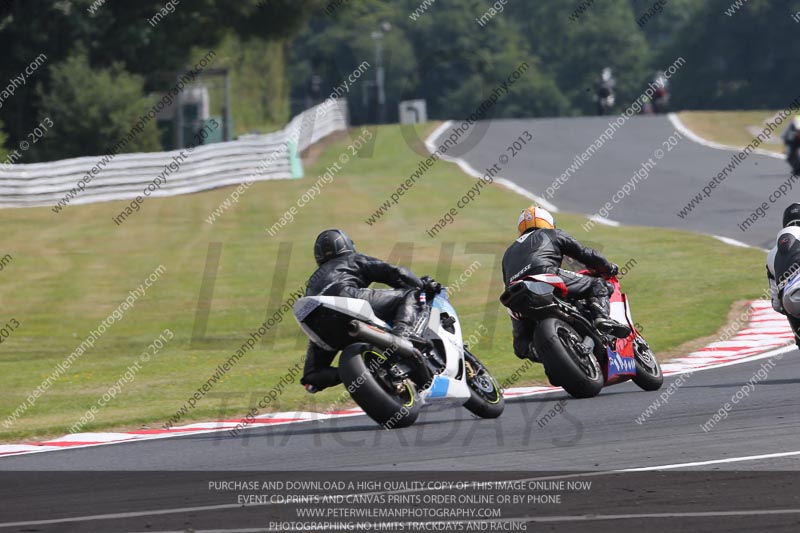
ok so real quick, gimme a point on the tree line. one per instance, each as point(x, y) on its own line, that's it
point(105, 64)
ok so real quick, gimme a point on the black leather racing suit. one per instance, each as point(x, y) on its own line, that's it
point(792, 144)
point(349, 275)
point(541, 251)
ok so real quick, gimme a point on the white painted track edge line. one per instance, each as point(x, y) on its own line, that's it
point(430, 146)
point(134, 514)
point(684, 129)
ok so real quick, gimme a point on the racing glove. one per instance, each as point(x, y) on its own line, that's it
point(430, 285)
point(609, 272)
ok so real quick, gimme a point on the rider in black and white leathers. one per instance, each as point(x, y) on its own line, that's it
point(783, 269)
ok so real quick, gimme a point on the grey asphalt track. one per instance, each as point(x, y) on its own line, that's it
point(682, 173)
point(590, 436)
point(162, 485)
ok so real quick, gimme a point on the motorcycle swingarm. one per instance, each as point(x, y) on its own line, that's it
point(585, 329)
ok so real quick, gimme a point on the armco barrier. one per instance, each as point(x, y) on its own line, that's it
point(206, 167)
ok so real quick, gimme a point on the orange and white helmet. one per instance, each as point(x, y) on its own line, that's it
point(535, 217)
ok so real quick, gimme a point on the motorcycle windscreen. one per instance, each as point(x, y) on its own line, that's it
point(442, 302)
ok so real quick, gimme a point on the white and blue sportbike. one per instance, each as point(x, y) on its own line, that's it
point(392, 377)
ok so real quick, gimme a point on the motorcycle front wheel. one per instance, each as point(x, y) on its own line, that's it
point(365, 374)
point(648, 371)
point(486, 399)
point(557, 343)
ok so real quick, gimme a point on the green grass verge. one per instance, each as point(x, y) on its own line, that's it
point(732, 127)
point(71, 270)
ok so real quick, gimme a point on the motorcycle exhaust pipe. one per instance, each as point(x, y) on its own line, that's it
point(382, 339)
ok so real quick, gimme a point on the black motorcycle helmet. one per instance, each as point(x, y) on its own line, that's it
point(791, 216)
point(332, 243)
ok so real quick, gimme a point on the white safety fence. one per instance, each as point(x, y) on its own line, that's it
point(125, 176)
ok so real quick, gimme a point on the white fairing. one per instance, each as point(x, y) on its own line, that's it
point(445, 386)
point(791, 296)
point(621, 311)
point(358, 309)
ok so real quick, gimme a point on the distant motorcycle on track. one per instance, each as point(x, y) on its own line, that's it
point(792, 151)
point(661, 94)
point(576, 356)
point(392, 377)
point(604, 92)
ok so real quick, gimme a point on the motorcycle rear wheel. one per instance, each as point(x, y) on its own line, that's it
point(580, 375)
point(383, 401)
point(486, 399)
point(648, 371)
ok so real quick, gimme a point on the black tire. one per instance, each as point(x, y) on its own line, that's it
point(648, 371)
point(579, 375)
point(382, 404)
point(486, 399)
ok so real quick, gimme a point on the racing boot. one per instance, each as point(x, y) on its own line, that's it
point(406, 315)
point(402, 329)
point(602, 321)
point(321, 379)
point(406, 331)
point(533, 354)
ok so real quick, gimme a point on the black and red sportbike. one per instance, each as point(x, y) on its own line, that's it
point(576, 356)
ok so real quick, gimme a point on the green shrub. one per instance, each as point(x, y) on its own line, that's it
point(92, 109)
point(3, 140)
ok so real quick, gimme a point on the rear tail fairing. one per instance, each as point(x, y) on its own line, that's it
point(528, 296)
point(325, 319)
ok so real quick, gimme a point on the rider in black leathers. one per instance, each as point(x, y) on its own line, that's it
point(344, 272)
point(792, 143)
point(540, 249)
point(604, 87)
